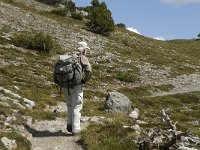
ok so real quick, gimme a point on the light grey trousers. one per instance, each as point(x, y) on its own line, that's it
point(74, 100)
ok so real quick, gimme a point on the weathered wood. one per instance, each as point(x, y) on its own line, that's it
point(168, 139)
point(177, 134)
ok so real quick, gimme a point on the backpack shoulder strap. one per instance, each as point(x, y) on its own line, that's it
point(79, 60)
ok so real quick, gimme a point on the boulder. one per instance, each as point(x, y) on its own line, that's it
point(117, 102)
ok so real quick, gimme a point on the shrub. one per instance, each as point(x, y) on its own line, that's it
point(198, 35)
point(128, 76)
point(100, 20)
point(50, 2)
point(34, 41)
point(111, 136)
point(60, 12)
point(70, 6)
point(77, 16)
point(165, 87)
point(121, 25)
point(95, 3)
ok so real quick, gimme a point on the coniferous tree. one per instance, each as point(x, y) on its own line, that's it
point(70, 6)
point(198, 35)
point(100, 19)
point(95, 3)
point(121, 25)
point(103, 5)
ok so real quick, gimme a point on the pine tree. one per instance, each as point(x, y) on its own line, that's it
point(198, 35)
point(95, 3)
point(100, 19)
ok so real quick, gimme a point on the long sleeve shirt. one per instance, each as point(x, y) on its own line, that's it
point(87, 69)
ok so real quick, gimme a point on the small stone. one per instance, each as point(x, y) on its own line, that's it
point(28, 119)
point(134, 114)
point(136, 127)
point(157, 140)
point(16, 87)
point(94, 119)
point(85, 119)
point(9, 144)
point(141, 122)
point(29, 104)
point(195, 122)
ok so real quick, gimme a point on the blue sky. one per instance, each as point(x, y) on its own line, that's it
point(162, 19)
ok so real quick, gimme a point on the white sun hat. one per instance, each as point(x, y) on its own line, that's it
point(82, 45)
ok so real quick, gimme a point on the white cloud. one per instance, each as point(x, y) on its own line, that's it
point(133, 30)
point(159, 38)
point(180, 2)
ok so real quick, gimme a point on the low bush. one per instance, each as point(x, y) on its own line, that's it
point(77, 16)
point(128, 76)
point(165, 87)
point(121, 25)
point(70, 6)
point(34, 41)
point(60, 12)
point(108, 136)
point(50, 2)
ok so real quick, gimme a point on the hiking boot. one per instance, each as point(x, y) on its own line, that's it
point(69, 128)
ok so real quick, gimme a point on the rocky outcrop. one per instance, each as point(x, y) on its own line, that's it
point(16, 100)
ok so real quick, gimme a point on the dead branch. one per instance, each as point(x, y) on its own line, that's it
point(188, 137)
point(168, 121)
point(168, 139)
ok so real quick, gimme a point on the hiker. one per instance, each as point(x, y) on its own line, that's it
point(74, 95)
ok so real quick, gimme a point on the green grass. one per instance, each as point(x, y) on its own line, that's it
point(22, 142)
point(128, 76)
point(91, 94)
point(164, 87)
point(27, 77)
point(175, 54)
point(111, 134)
point(136, 92)
point(60, 12)
point(108, 137)
point(4, 41)
point(5, 111)
point(37, 41)
point(38, 114)
point(92, 108)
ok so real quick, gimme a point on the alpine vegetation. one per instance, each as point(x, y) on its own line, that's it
point(34, 41)
point(82, 82)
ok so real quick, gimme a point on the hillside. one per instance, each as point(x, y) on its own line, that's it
point(153, 74)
